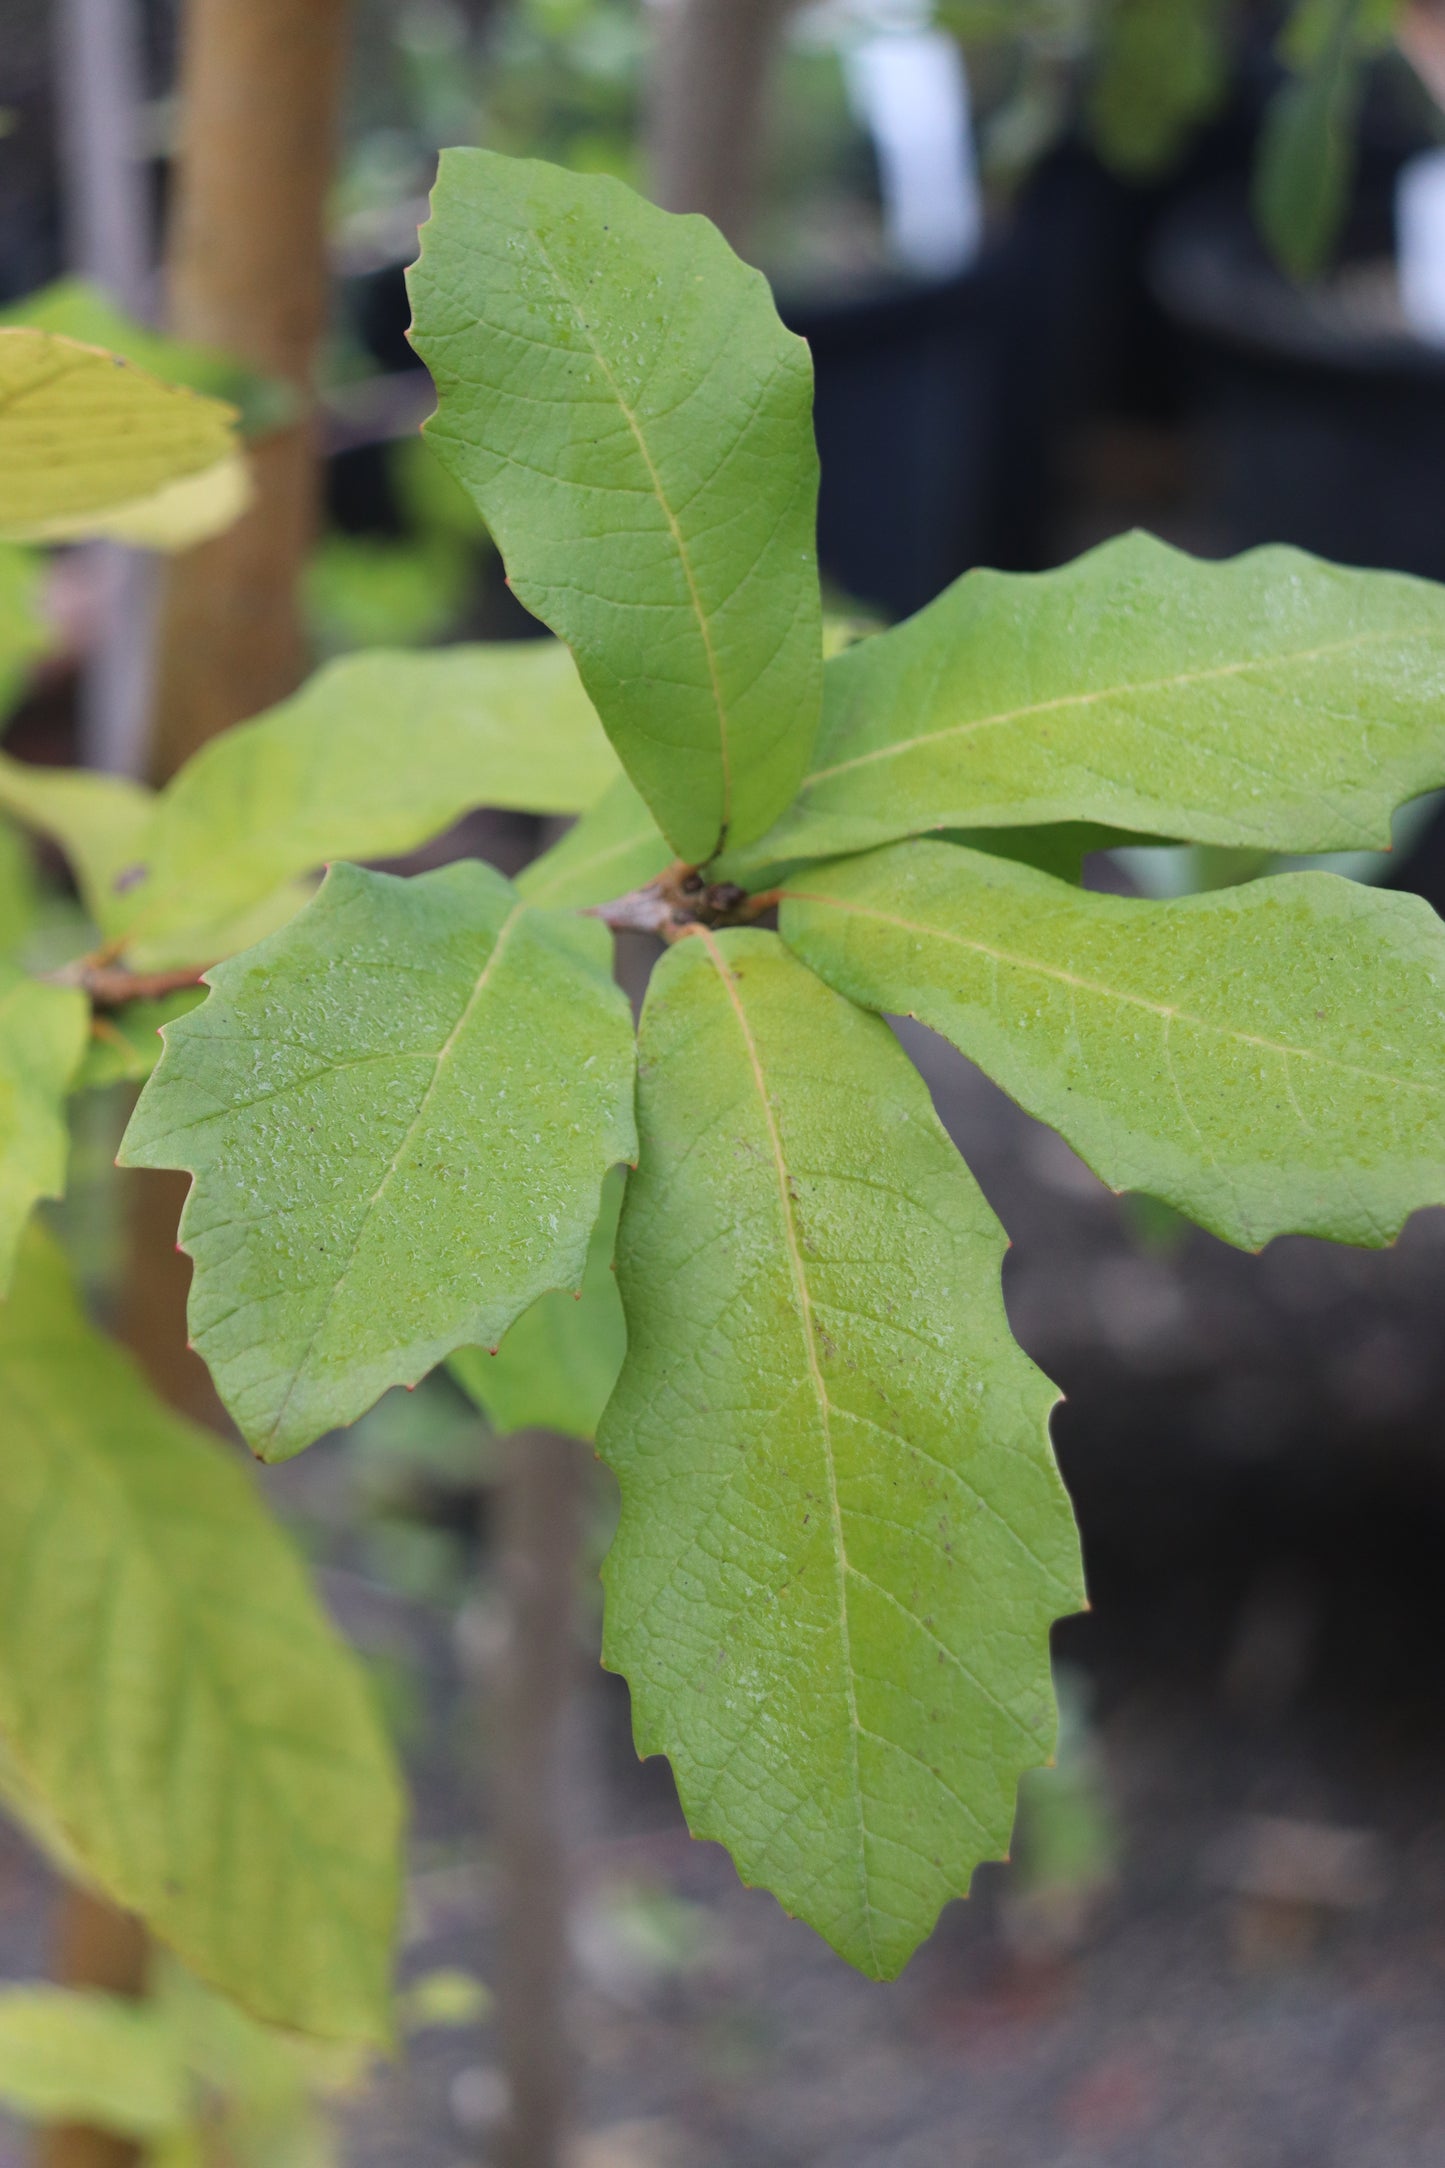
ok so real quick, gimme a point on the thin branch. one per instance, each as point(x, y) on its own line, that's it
point(642, 910)
point(110, 987)
point(680, 900)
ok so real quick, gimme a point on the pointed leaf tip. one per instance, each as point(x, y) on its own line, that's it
point(702, 473)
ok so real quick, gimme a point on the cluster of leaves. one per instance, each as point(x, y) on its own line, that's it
point(843, 1537)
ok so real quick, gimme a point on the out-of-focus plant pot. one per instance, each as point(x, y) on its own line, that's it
point(909, 379)
point(1321, 415)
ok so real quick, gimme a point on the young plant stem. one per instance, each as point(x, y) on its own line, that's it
point(246, 272)
point(96, 1947)
point(540, 1522)
point(111, 987)
point(681, 900)
point(707, 107)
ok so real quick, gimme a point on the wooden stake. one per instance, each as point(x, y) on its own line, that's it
point(707, 107)
point(539, 1541)
point(246, 272)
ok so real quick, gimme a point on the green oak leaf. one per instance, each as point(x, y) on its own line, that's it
point(557, 1366)
point(398, 1112)
point(843, 1536)
point(42, 1039)
point(615, 847)
point(19, 888)
point(615, 390)
point(1268, 1059)
point(171, 1692)
point(68, 2054)
point(1271, 700)
point(99, 821)
point(376, 753)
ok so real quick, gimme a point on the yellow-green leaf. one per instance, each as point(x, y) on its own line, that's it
point(172, 1693)
point(77, 309)
point(42, 1039)
point(1271, 700)
point(71, 2055)
point(98, 821)
point(90, 444)
point(377, 753)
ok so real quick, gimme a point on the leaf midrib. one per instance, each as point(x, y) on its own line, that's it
point(448, 1045)
point(704, 623)
point(1171, 1013)
point(804, 1305)
point(1142, 686)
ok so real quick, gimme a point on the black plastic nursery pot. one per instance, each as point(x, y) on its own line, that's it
point(909, 381)
point(1321, 416)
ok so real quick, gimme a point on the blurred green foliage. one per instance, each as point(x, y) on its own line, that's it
point(565, 80)
point(77, 309)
